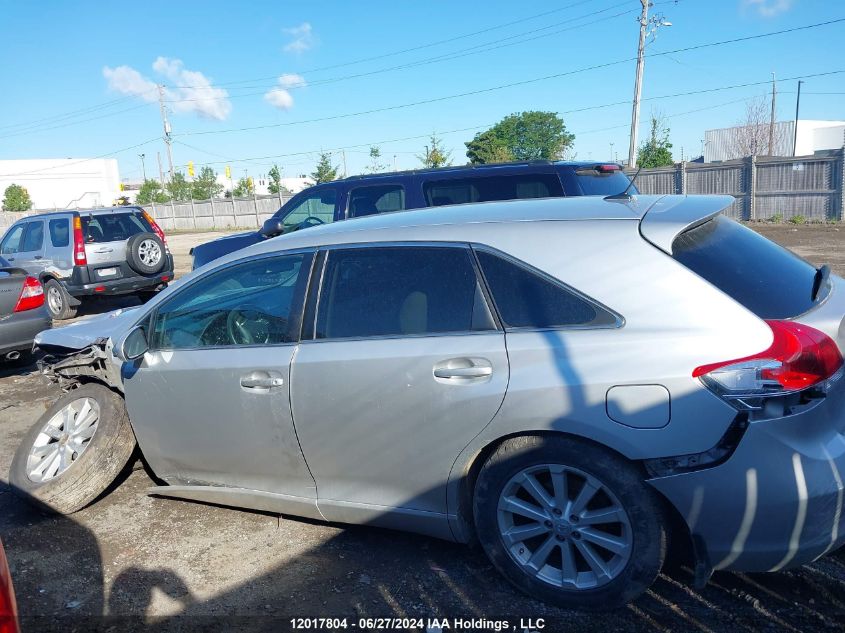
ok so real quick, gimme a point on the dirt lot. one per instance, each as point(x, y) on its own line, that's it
point(142, 561)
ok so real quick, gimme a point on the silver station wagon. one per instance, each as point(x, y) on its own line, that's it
point(568, 381)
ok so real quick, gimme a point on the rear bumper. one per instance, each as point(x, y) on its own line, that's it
point(778, 501)
point(18, 330)
point(86, 280)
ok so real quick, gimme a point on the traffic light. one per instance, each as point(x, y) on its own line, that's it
point(228, 172)
point(191, 168)
point(122, 187)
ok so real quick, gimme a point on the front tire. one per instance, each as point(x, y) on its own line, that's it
point(569, 522)
point(58, 301)
point(75, 451)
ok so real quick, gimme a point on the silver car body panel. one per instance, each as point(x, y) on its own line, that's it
point(381, 456)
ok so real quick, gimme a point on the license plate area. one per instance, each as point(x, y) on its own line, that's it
point(107, 272)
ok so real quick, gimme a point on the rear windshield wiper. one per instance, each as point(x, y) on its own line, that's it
point(819, 279)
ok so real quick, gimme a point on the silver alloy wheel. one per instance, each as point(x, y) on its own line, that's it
point(564, 527)
point(62, 440)
point(149, 252)
point(54, 299)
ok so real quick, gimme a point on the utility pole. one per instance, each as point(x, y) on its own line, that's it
point(797, 105)
point(611, 150)
point(343, 153)
point(160, 170)
point(143, 168)
point(772, 119)
point(638, 86)
point(166, 124)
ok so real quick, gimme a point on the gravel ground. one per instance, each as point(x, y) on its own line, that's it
point(149, 562)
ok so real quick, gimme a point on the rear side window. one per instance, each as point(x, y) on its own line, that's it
point(528, 299)
point(373, 200)
point(33, 239)
point(59, 232)
point(488, 188)
point(767, 279)
point(400, 291)
point(113, 227)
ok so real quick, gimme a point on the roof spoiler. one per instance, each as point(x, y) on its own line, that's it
point(672, 215)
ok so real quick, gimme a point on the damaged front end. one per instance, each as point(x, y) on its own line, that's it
point(67, 368)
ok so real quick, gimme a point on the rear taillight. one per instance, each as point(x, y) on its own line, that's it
point(155, 227)
point(32, 295)
point(79, 257)
point(800, 357)
point(8, 609)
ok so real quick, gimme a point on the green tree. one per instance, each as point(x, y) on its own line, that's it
point(375, 165)
point(275, 176)
point(435, 155)
point(657, 150)
point(530, 135)
point(205, 186)
point(16, 198)
point(151, 191)
point(244, 188)
point(325, 171)
point(179, 189)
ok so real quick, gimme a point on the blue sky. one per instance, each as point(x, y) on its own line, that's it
point(81, 76)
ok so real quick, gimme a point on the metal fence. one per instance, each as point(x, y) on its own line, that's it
point(765, 188)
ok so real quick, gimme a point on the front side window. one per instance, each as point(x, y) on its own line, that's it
point(33, 238)
point(12, 242)
point(373, 200)
point(59, 232)
point(243, 304)
point(527, 299)
point(490, 188)
point(400, 291)
point(314, 207)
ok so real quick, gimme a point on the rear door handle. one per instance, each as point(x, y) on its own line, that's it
point(262, 380)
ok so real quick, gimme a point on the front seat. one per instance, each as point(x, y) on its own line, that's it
point(363, 207)
point(413, 314)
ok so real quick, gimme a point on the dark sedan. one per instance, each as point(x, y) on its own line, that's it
point(22, 312)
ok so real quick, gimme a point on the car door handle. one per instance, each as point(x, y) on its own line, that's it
point(463, 372)
point(262, 380)
point(38, 257)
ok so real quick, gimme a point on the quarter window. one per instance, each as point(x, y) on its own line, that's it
point(59, 232)
point(372, 200)
point(526, 298)
point(489, 188)
point(400, 291)
point(246, 304)
point(315, 207)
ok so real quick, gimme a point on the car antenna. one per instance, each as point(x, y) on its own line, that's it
point(625, 195)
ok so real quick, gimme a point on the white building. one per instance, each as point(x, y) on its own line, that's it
point(261, 182)
point(812, 137)
point(64, 183)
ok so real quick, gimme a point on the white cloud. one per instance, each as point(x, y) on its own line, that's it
point(301, 38)
point(280, 96)
point(190, 92)
point(768, 8)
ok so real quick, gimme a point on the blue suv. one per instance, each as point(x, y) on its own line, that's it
point(357, 196)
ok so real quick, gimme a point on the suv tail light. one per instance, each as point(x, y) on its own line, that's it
point(79, 256)
point(155, 227)
point(32, 295)
point(8, 610)
point(800, 357)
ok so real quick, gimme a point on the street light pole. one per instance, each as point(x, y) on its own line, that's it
point(638, 86)
point(143, 168)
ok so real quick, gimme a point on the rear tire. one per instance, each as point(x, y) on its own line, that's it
point(94, 410)
point(58, 301)
point(558, 554)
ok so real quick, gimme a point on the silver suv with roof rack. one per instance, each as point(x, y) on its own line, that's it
point(80, 253)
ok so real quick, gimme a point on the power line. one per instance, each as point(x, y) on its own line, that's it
point(37, 129)
point(70, 114)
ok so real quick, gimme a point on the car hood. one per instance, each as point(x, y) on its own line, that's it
point(83, 333)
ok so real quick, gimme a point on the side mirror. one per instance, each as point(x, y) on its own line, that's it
point(135, 344)
point(272, 227)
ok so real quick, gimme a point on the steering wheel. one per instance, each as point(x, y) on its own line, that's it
point(309, 222)
point(237, 326)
